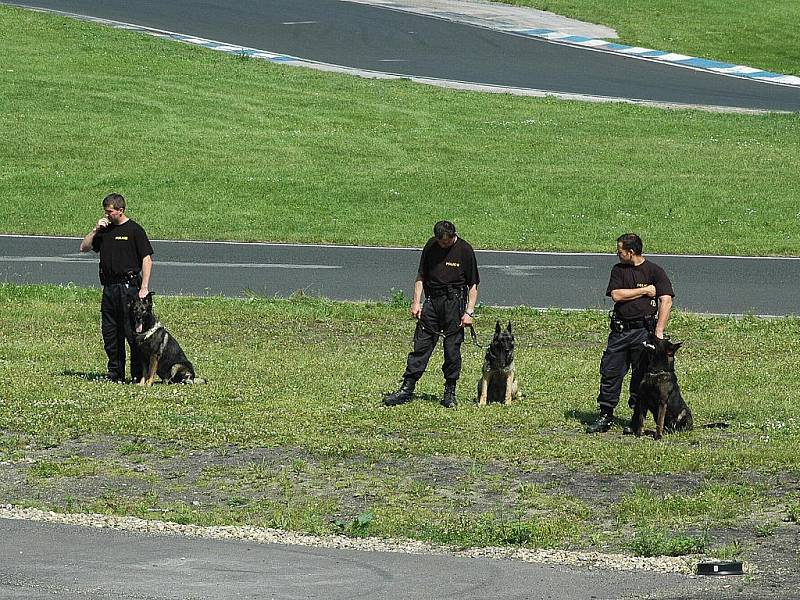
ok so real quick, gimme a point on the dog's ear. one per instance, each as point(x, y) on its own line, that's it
point(496, 327)
point(509, 327)
point(673, 347)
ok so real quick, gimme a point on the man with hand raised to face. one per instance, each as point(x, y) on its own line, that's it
point(125, 266)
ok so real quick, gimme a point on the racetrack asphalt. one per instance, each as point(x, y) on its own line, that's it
point(703, 284)
point(378, 39)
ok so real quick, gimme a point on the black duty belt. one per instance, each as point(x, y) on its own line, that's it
point(633, 324)
point(450, 292)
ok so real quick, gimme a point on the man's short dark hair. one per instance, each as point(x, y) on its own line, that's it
point(114, 201)
point(444, 229)
point(631, 242)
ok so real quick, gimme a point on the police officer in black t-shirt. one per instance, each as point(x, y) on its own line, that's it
point(642, 295)
point(125, 265)
point(448, 276)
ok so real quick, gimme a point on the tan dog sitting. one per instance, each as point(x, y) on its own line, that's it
point(498, 378)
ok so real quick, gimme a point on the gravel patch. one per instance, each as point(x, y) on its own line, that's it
point(592, 560)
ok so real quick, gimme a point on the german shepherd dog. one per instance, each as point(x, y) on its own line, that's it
point(498, 381)
point(161, 353)
point(659, 392)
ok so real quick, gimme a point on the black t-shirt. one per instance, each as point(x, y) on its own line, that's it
point(121, 248)
point(448, 267)
point(625, 276)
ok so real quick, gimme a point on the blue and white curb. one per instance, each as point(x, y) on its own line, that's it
point(668, 57)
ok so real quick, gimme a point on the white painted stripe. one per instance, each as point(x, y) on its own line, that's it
point(171, 263)
point(636, 50)
point(532, 267)
point(738, 69)
point(299, 22)
point(673, 57)
point(593, 43)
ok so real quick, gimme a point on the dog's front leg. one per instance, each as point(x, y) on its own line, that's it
point(484, 390)
point(662, 413)
point(509, 387)
point(637, 421)
point(152, 367)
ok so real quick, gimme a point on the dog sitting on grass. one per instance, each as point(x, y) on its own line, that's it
point(161, 353)
point(498, 381)
point(659, 392)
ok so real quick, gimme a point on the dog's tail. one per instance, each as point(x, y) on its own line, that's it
point(719, 425)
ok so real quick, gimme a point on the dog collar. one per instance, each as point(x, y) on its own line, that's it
point(151, 331)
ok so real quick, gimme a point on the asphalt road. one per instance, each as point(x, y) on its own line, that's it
point(719, 285)
point(41, 561)
point(379, 39)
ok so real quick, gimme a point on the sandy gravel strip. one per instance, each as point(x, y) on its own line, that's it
point(591, 560)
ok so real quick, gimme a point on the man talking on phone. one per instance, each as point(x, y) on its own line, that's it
point(125, 265)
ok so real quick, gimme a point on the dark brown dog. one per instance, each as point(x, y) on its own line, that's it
point(498, 377)
point(161, 353)
point(659, 392)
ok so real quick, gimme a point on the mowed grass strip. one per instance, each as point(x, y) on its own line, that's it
point(757, 34)
point(311, 372)
point(289, 431)
point(210, 146)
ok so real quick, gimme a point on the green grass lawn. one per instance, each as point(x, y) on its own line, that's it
point(210, 146)
point(303, 379)
point(758, 34)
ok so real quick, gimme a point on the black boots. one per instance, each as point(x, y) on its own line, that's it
point(449, 398)
point(406, 392)
point(601, 425)
point(401, 396)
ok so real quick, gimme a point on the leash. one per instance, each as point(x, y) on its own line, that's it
point(441, 334)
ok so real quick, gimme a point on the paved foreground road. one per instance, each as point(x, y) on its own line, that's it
point(763, 286)
point(44, 561)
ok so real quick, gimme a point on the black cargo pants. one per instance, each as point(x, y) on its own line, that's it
point(115, 324)
point(441, 314)
point(623, 351)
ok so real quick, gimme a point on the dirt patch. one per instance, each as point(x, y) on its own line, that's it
point(149, 477)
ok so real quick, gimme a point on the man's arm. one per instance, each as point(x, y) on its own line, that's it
point(86, 242)
point(416, 301)
point(664, 310)
point(472, 299)
point(147, 267)
point(622, 295)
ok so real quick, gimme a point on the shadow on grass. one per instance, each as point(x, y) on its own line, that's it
point(588, 417)
point(87, 376)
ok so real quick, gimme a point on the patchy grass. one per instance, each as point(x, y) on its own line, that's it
point(289, 432)
point(209, 146)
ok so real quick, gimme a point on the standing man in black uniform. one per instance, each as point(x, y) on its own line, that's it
point(448, 276)
point(125, 265)
point(642, 295)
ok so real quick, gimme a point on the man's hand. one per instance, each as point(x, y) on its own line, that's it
point(102, 223)
point(143, 291)
point(650, 290)
point(466, 320)
point(416, 310)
